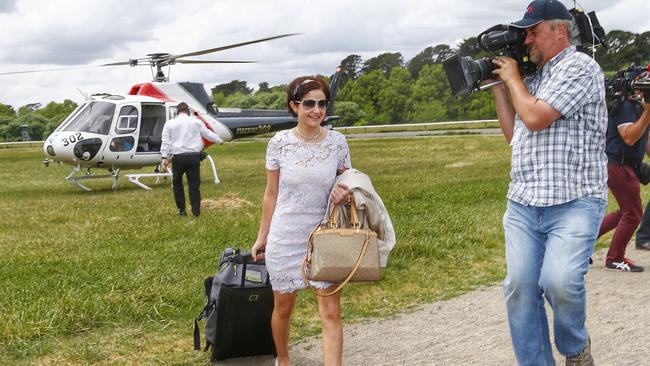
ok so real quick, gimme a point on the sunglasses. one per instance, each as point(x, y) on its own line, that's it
point(311, 103)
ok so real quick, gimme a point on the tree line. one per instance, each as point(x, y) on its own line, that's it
point(385, 89)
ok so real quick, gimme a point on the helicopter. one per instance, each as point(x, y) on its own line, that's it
point(123, 132)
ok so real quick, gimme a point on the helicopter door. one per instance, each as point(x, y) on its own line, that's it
point(122, 143)
point(151, 125)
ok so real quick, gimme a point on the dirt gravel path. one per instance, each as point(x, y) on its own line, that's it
point(472, 329)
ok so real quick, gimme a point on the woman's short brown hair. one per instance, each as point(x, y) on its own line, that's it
point(303, 85)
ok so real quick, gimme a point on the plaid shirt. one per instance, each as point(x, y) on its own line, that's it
point(565, 160)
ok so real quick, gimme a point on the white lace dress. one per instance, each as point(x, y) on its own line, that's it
point(307, 174)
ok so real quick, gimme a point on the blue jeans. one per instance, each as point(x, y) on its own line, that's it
point(547, 253)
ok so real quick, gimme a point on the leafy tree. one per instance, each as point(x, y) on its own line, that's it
point(426, 57)
point(350, 114)
point(642, 47)
point(469, 47)
point(36, 125)
point(363, 92)
point(382, 99)
point(384, 62)
point(57, 111)
point(5, 134)
point(351, 68)
point(7, 111)
point(430, 96)
point(620, 52)
point(263, 87)
point(395, 97)
point(442, 52)
point(28, 108)
point(233, 87)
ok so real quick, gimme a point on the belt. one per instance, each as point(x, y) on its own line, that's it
point(188, 154)
point(622, 160)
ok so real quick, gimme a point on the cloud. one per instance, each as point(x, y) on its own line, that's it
point(66, 32)
point(49, 34)
point(7, 6)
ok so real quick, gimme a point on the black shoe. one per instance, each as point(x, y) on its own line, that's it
point(643, 246)
point(583, 358)
point(182, 213)
point(625, 265)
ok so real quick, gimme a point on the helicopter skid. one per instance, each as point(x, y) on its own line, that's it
point(74, 179)
point(135, 178)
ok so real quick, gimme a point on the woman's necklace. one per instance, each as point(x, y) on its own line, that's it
point(313, 138)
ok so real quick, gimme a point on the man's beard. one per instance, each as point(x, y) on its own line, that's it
point(535, 57)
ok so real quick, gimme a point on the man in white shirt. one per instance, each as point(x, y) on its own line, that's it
point(182, 144)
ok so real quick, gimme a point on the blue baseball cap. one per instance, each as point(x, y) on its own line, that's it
point(540, 10)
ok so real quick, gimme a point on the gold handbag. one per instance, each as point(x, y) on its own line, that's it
point(342, 254)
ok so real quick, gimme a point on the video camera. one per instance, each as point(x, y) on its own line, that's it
point(625, 81)
point(465, 74)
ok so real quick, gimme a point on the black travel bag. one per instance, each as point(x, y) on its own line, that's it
point(238, 310)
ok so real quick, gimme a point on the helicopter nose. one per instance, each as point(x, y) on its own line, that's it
point(49, 150)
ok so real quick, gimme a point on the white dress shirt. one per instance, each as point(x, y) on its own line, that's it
point(183, 134)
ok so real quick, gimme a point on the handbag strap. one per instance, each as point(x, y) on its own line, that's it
point(354, 270)
point(307, 260)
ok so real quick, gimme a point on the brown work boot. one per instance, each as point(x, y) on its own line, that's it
point(583, 358)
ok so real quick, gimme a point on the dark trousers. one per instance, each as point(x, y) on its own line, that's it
point(624, 184)
point(190, 165)
point(643, 234)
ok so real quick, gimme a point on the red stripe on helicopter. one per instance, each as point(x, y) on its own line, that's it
point(149, 90)
point(206, 143)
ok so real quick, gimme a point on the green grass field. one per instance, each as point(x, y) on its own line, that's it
point(116, 277)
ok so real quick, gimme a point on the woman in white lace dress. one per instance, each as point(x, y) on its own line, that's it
point(301, 166)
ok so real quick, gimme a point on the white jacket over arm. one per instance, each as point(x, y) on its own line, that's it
point(371, 209)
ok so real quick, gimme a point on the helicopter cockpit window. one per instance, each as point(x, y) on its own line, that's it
point(127, 122)
point(96, 117)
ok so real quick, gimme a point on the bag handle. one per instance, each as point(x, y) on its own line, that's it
point(354, 218)
point(334, 217)
point(334, 214)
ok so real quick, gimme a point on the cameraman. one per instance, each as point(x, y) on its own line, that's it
point(555, 121)
point(627, 139)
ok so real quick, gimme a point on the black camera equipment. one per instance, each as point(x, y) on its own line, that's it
point(465, 74)
point(622, 85)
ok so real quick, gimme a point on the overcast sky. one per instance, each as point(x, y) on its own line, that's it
point(42, 34)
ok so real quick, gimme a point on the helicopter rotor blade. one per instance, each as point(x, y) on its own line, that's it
point(117, 63)
point(213, 62)
point(222, 48)
point(43, 70)
point(164, 59)
point(143, 61)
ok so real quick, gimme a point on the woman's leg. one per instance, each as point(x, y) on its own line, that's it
point(281, 322)
point(329, 309)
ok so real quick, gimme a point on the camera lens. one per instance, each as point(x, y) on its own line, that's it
point(465, 74)
point(485, 67)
